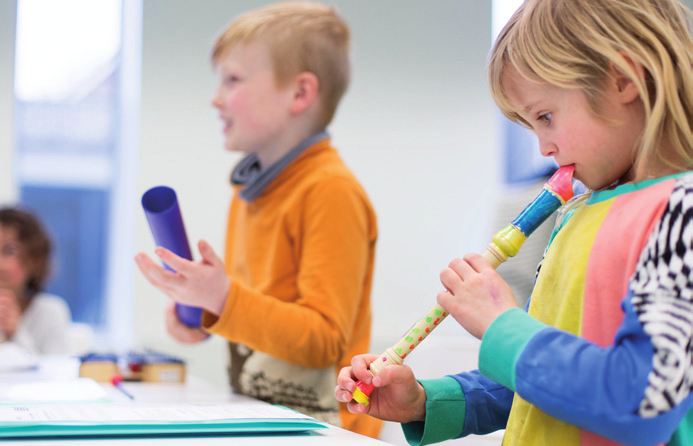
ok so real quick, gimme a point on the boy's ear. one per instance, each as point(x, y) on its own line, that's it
point(626, 87)
point(305, 91)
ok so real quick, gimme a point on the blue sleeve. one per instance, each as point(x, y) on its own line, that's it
point(488, 403)
point(460, 405)
point(594, 388)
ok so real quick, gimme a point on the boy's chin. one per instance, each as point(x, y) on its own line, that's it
point(233, 148)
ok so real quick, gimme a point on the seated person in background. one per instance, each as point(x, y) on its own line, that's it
point(29, 317)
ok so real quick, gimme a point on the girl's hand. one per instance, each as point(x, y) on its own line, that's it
point(10, 313)
point(476, 294)
point(203, 284)
point(397, 395)
point(179, 331)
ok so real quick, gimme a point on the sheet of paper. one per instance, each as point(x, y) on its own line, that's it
point(82, 390)
point(143, 413)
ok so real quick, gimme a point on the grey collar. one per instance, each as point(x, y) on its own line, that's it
point(249, 172)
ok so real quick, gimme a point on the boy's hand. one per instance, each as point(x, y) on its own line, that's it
point(179, 331)
point(203, 284)
point(475, 293)
point(9, 313)
point(397, 396)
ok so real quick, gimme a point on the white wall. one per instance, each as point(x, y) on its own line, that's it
point(416, 127)
point(8, 12)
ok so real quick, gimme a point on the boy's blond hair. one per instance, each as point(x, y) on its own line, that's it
point(301, 37)
point(574, 43)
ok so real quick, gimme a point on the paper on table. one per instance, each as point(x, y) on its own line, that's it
point(150, 412)
point(77, 390)
point(111, 420)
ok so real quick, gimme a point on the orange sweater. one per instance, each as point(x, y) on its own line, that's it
point(300, 258)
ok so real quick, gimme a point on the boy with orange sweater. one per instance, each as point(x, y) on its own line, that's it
point(293, 295)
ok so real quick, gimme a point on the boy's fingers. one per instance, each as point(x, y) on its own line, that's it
point(155, 274)
point(174, 261)
point(208, 254)
point(144, 264)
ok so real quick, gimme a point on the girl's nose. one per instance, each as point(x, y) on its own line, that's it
point(547, 148)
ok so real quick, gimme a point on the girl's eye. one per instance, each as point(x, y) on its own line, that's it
point(545, 118)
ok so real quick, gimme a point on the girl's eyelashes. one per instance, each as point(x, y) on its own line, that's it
point(544, 118)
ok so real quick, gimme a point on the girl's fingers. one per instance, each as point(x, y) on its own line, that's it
point(355, 407)
point(359, 367)
point(449, 279)
point(462, 268)
point(477, 262)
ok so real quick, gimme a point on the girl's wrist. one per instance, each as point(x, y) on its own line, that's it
point(420, 414)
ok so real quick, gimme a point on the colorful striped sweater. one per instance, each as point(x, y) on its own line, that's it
point(603, 354)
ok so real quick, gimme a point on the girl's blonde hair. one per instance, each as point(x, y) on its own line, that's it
point(574, 44)
point(301, 37)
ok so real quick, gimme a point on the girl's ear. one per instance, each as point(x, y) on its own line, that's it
point(626, 87)
point(305, 92)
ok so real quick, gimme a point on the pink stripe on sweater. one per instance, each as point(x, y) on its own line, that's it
point(609, 270)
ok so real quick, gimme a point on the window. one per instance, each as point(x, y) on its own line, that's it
point(77, 73)
point(522, 160)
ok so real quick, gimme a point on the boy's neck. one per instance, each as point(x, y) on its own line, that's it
point(283, 145)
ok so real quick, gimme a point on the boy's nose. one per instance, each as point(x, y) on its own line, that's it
point(216, 101)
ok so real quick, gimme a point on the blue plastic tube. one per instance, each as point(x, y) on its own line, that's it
point(166, 223)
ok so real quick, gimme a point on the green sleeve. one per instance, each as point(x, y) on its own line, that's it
point(684, 433)
point(445, 413)
point(502, 344)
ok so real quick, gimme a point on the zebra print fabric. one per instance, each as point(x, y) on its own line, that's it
point(663, 299)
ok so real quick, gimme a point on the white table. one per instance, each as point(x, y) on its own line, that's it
point(192, 391)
